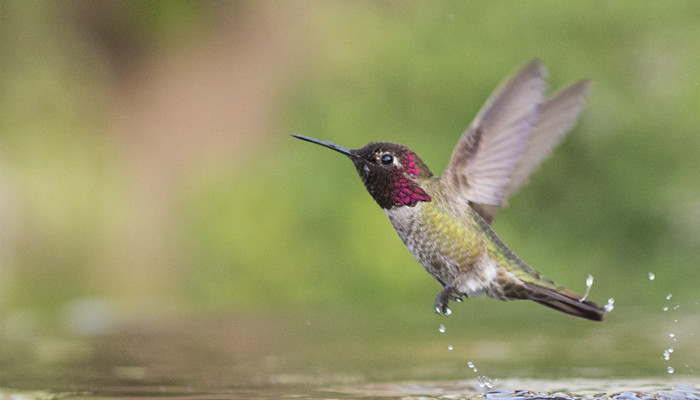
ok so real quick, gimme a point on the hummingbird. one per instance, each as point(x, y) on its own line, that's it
point(445, 222)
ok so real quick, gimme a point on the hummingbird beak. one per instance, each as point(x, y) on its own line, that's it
point(332, 146)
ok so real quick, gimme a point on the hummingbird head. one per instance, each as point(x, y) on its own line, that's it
point(392, 173)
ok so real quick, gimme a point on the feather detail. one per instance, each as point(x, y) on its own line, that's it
point(565, 301)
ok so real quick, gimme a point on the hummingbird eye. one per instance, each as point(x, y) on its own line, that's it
point(387, 159)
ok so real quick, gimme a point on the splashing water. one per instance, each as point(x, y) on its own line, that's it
point(669, 297)
point(589, 283)
point(484, 381)
point(652, 276)
point(667, 353)
point(670, 370)
point(449, 347)
point(441, 329)
point(472, 366)
point(610, 306)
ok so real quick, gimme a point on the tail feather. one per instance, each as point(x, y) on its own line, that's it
point(566, 301)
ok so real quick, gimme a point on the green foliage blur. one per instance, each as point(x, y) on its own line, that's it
point(237, 216)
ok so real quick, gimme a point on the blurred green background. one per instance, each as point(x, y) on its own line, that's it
point(145, 157)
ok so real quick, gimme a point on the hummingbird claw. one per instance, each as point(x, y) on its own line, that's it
point(443, 300)
point(442, 310)
point(457, 297)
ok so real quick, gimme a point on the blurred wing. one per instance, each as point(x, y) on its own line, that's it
point(486, 154)
point(556, 116)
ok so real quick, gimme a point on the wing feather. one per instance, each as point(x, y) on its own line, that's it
point(511, 135)
point(557, 115)
point(492, 146)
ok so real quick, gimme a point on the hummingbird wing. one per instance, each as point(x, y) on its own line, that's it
point(488, 182)
point(557, 115)
point(483, 161)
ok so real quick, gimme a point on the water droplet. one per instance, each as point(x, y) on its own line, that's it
point(449, 347)
point(676, 307)
point(471, 365)
point(441, 329)
point(670, 370)
point(610, 306)
point(589, 283)
point(665, 308)
point(667, 355)
point(670, 350)
point(669, 297)
point(652, 276)
point(484, 381)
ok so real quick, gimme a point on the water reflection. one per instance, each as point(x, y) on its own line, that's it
point(539, 390)
point(571, 389)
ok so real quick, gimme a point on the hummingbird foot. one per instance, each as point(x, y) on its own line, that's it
point(443, 299)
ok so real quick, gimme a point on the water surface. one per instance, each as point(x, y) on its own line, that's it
point(354, 355)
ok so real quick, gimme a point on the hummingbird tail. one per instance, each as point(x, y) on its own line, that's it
point(566, 301)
